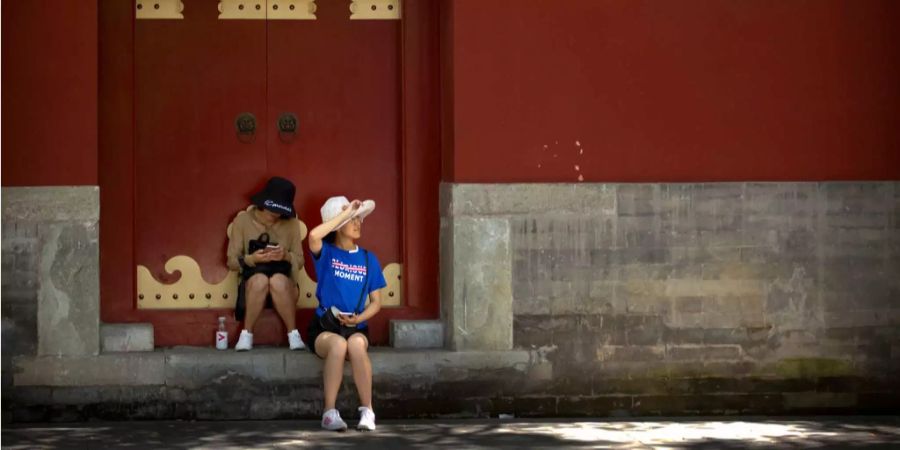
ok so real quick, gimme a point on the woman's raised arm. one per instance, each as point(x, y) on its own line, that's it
point(318, 233)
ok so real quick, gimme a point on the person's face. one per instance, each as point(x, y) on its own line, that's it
point(269, 216)
point(352, 229)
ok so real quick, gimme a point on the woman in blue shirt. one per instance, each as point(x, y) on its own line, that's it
point(346, 274)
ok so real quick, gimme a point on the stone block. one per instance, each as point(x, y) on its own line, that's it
point(195, 367)
point(855, 198)
point(819, 400)
point(518, 199)
point(644, 329)
point(68, 297)
point(593, 406)
point(126, 337)
point(38, 205)
point(448, 365)
point(639, 353)
point(115, 369)
point(563, 232)
point(780, 199)
point(417, 334)
point(637, 199)
point(703, 352)
point(734, 311)
point(19, 328)
point(54, 240)
point(477, 288)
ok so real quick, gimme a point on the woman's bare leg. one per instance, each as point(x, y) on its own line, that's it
point(333, 349)
point(284, 296)
point(357, 348)
point(256, 289)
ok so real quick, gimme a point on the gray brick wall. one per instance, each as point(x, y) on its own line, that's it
point(799, 270)
point(737, 281)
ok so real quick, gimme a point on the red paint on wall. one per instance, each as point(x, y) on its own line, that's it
point(116, 158)
point(642, 90)
point(49, 93)
point(421, 156)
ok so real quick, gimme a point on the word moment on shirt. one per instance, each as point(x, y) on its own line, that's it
point(346, 271)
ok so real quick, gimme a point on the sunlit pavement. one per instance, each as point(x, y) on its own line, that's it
point(870, 432)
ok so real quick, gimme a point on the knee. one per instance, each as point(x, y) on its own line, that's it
point(338, 347)
point(257, 284)
point(356, 346)
point(279, 284)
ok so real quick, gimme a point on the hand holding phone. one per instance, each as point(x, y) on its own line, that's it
point(337, 312)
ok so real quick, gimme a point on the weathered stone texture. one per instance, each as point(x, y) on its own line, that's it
point(126, 337)
point(711, 279)
point(417, 334)
point(51, 270)
point(477, 286)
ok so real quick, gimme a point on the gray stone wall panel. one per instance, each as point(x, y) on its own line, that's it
point(728, 277)
point(51, 269)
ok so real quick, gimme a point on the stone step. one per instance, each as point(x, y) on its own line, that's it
point(417, 334)
point(192, 367)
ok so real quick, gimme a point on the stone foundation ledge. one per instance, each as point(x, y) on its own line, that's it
point(274, 383)
point(192, 367)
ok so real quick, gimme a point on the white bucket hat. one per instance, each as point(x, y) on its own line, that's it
point(335, 205)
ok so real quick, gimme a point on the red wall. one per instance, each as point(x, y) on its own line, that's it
point(671, 91)
point(49, 86)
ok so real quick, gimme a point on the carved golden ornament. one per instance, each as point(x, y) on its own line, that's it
point(292, 10)
point(375, 10)
point(192, 291)
point(267, 9)
point(159, 9)
point(242, 9)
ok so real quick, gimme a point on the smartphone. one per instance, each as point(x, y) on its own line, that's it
point(338, 312)
point(271, 246)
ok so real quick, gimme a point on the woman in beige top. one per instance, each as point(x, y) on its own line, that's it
point(266, 274)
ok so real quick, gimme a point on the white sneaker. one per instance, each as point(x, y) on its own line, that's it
point(331, 420)
point(245, 342)
point(366, 419)
point(295, 341)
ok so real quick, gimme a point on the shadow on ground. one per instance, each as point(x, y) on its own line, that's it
point(714, 433)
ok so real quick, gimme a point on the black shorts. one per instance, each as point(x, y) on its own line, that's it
point(315, 329)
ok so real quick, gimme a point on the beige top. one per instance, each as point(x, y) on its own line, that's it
point(284, 232)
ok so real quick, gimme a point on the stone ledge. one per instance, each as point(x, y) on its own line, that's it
point(51, 204)
point(113, 369)
point(480, 200)
point(192, 367)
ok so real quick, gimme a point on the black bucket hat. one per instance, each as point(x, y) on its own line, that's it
point(277, 196)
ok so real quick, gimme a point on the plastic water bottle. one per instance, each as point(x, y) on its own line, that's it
point(222, 335)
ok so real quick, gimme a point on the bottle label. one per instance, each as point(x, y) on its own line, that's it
point(222, 340)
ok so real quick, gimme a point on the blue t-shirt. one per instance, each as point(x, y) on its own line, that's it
point(340, 276)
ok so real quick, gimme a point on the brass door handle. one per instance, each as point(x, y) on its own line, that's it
point(245, 123)
point(287, 123)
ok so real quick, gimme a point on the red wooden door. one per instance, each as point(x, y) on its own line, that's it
point(193, 172)
point(341, 79)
